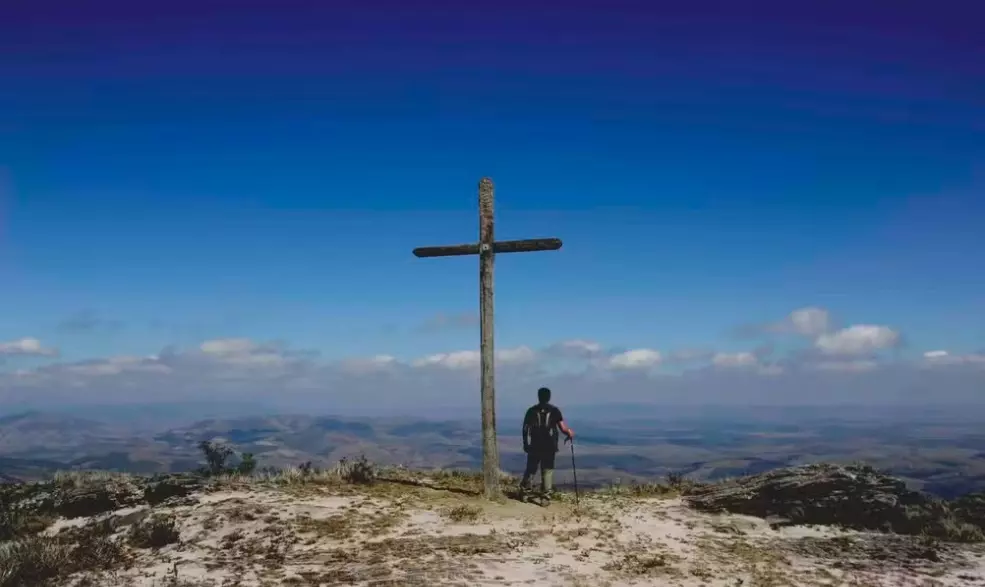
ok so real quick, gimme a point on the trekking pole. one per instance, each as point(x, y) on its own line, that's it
point(574, 471)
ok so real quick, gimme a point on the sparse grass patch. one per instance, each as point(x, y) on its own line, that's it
point(38, 560)
point(383, 522)
point(75, 479)
point(644, 564)
point(335, 527)
point(295, 475)
point(461, 545)
point(19, 522)
point(952, 530)
point(351, 523)
point(357, 472)
point(636, 490)
point(172, 579)
point(463, 514)
point(230, 540)
point(470, 481)
point(653, 490)
point(155, 532)
point(78, 494)
point(32, 561)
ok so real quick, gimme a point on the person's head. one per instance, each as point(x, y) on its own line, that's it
point(543, 395)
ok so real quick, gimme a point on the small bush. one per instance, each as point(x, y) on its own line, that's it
point(40, 559)
point(247, 464)
point(294, 474)
point(675, 480)
point(216, 456)
point(359, 472)
point(100, 553)
point(155, 532)
point(16, 522)
point(653, 489)
point(32, 561)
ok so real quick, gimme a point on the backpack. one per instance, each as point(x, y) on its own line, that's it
point(543, 431)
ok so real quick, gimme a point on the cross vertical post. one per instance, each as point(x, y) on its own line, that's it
point(486, 249)
point(487, 383)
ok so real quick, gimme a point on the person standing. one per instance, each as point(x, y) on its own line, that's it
point(540, 442)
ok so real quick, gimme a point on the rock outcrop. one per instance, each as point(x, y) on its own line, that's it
point(82, 496)
point(92, 499)
point(854, 496)
point(970, 508)
point(415, 528)
point(165, 487)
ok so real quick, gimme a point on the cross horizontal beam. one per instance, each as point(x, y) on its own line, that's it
point(520, 246)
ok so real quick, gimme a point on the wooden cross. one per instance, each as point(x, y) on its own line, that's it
point(486, 248)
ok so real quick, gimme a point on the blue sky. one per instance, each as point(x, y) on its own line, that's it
point(177, 175)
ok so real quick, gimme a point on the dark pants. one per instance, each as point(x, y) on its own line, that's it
point(540, 459)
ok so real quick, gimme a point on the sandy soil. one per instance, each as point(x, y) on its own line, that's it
point(425, 537)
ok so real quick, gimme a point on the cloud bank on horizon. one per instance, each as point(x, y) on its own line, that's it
point(806, 360)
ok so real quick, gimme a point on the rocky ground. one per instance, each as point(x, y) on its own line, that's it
point(820, 525)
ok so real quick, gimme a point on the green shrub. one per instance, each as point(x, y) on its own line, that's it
point(247, 464)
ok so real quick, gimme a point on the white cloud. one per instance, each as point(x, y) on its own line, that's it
point(843, 368)
point(577, 348)
point(228, 346)
point(27, 347)
point(245, 352)
point(811, 321)
point(690, 355)
point(947, 358)
point(521, 354)
point(635, 359)
point(742, 359)
point(471, 359)
point(455, 360)
point(856, 366)
point(369, 364)
point(859, 339)
point(746, 361)
point(117, 365)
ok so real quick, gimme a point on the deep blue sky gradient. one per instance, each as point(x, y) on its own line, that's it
point(207, 169)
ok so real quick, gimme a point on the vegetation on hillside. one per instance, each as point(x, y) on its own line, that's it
point(35, 550)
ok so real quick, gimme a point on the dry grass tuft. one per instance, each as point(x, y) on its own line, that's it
point(40, 560)
point(463, 514)
point(155, 532)
point(335, 527)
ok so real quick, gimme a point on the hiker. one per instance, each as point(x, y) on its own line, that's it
point(540, 427)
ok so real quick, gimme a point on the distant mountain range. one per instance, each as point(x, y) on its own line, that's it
point(943, 456)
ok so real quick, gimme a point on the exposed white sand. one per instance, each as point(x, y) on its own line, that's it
point(268, 537)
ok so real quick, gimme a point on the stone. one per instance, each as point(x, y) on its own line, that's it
point(851, 496)
point(94, 498)
point(171, 487)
